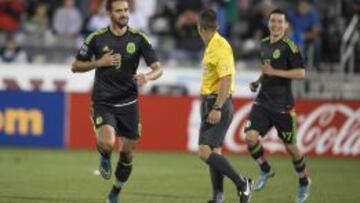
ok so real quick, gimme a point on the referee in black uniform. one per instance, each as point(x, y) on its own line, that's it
point(114, 52)
point(274, 105)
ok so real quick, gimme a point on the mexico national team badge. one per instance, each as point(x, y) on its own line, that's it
point(276, 54)
point(131, 47)
point(99, 120)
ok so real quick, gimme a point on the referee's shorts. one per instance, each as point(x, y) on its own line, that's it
point(213, 135)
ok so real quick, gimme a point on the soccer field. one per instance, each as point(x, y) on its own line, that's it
point(38, 176)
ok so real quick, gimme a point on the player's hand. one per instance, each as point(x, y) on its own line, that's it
point(140, 79)
point(110, 59)
point(254, 86)
point(267, 69)
point(214, 117)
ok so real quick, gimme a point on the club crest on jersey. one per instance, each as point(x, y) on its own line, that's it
point(99, 120)
point(276, 54)
point(131, 47)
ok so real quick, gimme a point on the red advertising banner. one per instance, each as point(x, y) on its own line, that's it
point(325, 128)
point(164, 122)
point(80, 130)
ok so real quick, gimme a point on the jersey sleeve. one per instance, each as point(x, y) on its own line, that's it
point(295, 59)
point(147, 51)
point(87, 50)
point(225, 63)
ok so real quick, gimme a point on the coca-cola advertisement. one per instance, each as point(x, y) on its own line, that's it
point(324, 127)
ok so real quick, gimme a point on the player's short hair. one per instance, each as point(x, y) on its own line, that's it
point(208, 19)
point(109, 4)
point(281, 12)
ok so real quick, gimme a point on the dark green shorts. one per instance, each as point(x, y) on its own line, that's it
point(125, 119)
point(262, 120)
point(213, 135)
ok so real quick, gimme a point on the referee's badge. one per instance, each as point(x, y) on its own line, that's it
point(131, 47)
point(276, 54)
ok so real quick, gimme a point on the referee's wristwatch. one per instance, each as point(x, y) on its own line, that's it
point(216, 107)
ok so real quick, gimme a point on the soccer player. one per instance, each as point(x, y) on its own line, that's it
point(114, 52)
point(217, 108)
point(274, 105)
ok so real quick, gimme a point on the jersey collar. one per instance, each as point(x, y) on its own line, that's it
point(113, 34)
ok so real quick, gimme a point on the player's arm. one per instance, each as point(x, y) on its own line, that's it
point(108, 59)
point(223, 93)
point(155, 73)
point(151, 60)
point(254, 85)
point(295, 73)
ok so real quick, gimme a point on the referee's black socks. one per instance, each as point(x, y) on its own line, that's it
point(222, 165)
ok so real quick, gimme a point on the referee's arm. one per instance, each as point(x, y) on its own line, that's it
point(224, 89)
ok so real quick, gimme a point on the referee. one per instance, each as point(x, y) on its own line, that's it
point(217, 108)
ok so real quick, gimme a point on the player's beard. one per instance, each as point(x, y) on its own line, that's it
point(121, 22)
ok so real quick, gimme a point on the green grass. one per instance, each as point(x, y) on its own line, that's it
point(39, 176)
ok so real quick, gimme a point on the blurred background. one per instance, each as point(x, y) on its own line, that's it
point(44, 105)
point(43, 32)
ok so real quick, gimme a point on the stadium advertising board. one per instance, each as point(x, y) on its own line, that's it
point(32, 119)
point(60, 78)
point(325, 128)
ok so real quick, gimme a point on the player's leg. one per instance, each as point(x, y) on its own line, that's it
point(123, 168)
point(105, 140)
point(258, 124)
point(286, 126)
point(104, 123)
point(128, 123)
point(217, 181)
point(300, 167)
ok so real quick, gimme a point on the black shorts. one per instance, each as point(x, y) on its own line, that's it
point(262, 120)
point(125, 119)
point(213, 135)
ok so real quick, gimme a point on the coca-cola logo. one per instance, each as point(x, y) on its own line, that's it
point(327, 128)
